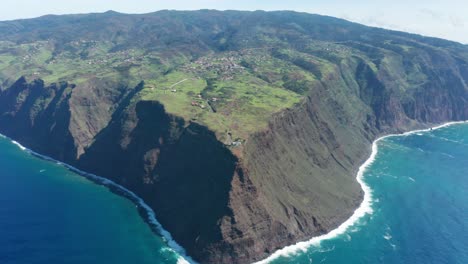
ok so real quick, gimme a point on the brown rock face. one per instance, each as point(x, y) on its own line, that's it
point(298, 177)
point(293, 180)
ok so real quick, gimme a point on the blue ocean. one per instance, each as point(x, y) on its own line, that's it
point(419, 205)
point(50, 215)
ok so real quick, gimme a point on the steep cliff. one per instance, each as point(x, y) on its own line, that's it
point(305, 113)
point(302, 168)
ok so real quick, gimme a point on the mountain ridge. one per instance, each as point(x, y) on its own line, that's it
point(242, 130)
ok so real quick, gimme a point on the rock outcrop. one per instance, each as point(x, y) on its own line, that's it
point(289, 181)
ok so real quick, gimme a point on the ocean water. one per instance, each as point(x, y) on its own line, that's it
point(419, 205)
point(418, 211)
point(49, 214)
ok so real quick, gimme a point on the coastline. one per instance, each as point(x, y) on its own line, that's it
point(364, 208)
point(144, 210)
point(149, 216)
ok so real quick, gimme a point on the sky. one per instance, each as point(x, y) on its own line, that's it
point(445, 19)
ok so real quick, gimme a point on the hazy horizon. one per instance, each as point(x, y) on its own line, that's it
point(430, 18)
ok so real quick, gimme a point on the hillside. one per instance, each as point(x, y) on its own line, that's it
point(242, 130)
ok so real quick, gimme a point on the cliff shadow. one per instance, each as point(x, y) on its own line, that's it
point(181, 170)
point(38, 116)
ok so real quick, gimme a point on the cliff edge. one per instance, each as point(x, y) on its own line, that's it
point(246, 136)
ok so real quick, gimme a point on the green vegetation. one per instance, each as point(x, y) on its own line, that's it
point(214, 90)
point(238, 106)
point(232, 73)
point(231, 80)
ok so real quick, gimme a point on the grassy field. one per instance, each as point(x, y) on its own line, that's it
point(233, 93)
point(239, 106)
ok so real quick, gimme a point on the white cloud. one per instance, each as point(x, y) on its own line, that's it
point(429, 18)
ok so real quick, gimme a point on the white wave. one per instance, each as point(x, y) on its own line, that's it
point(18, 144)
point(327, 249)
point(364, 209)
point(387, 235)
point(182, 261)
point(412, 179)
point(448, 155)
point(347, 238)
point(41, 171)
point(450, 140)
point(151, 216)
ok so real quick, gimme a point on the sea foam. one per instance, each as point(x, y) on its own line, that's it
point(364, 209)
point(150, 215)
point(18, 144)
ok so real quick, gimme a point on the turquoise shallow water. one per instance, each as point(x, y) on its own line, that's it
point(420, 205)
point(420, 211)
point(51, 215)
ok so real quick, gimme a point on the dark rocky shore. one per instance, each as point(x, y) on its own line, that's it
point(290, 181)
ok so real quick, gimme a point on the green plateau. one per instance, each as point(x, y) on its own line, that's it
point(243, 131)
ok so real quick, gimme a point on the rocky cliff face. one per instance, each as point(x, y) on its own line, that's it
point(299, 174)
point(39, 117)
point(291, 180)
point(295, 180)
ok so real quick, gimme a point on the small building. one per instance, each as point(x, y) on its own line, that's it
point(236, 143)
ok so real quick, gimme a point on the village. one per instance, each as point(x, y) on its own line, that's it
point(225, 67)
